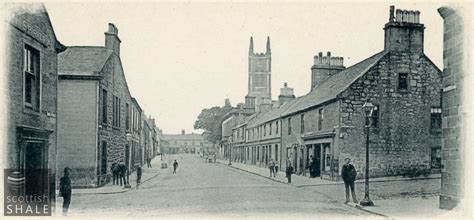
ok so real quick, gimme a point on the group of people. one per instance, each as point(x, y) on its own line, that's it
point(119, 170)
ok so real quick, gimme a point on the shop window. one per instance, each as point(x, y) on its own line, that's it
point(327, 157)
point(436, 158)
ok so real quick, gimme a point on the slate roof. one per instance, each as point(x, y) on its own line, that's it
point(82, 60)
point(334, 85)
point(271, 114)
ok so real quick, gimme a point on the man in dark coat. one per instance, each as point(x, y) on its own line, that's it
point(349, 174)
point(289, 171)
point(65, 190)
point(122, 173)
point(139, 175)
point(175, 166)
point(115, 173)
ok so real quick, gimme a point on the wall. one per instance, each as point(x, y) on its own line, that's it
point(77, 127)
point(456, 39)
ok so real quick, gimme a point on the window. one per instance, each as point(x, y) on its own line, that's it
point(302, 123)
point(104, 106)
point(375, 116)
point(264, 130)
point(127, 116)
point(31, 85)
point(436, 158)
point(403, 81)
point(276, 152)
point(276, 129)
point(289, 126)
point(435, 118)
point(270, 129)
point(327, 157)
point(242, 133)
point(238, 133)
point(116, 112)
point(320, 119)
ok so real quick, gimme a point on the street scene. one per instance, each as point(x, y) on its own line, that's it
point(236, 110)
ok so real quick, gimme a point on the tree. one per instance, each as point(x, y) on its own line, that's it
point(210, 121)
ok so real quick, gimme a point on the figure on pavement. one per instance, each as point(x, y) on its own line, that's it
point(289, 171)
point(115, 173)
point(348, 174)
point(148, 162)
point(65, 190)
point(311, 166)
point(175, 166)
point(271, 166)
point(122, 173)
point(139, 175)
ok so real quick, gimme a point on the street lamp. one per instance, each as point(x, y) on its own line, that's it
point(230, 151)
point(368, 109)
point(129, 138)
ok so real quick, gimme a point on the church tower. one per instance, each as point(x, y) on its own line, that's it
point(259, 81)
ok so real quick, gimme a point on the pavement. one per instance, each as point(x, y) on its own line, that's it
point(394, 197)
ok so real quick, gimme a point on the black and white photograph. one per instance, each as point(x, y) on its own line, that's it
point(249, 109)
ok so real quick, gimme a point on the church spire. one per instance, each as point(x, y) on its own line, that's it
point(269, 51)
point(251, 46)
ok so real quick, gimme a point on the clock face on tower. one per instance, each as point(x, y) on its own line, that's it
point(260, 67)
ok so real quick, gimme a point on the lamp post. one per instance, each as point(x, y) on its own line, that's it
point(230, 152)
point(129, 138)
point(368, 108)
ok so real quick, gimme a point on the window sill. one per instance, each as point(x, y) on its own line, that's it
point(29, 110)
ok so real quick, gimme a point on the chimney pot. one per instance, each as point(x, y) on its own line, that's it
point(391, 16)
point(399, 15)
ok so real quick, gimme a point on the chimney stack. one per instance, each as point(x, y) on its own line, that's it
point(403, 32)
point(183, 132)
point(324, 67)
point(112, 41)
point(286, 94)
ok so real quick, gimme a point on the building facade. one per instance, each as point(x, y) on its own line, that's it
point(31, 51)
point(328, 124)
point(456, 52)
point(186, 143)
point(93, 132)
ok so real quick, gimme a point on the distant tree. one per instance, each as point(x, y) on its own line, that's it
point(210, 121)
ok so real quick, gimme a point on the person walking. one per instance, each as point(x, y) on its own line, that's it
point(139, 175)
point(271, 166)
point(122, 172)
point(175, 166)
point(289, 171)
point(348, 174)
point(115, 173)
point(148, 162)
point(65, 190)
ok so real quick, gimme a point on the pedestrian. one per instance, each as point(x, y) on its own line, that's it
point(65, 190)
point(115, 173)
point(148, 162)
point(139, 175)
point(289, 171)
point(122, 172)
point(310, 166)
point(348, 174)
point(175, 166)
point(271, 166)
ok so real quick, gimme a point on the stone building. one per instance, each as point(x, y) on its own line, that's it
point(456, 52)
point(136, 158)
point(31, 51)
point(402, 83)
point(94, 111)
point(259, 81)
point(258, 137)
point(186, 143)
point(328, 124)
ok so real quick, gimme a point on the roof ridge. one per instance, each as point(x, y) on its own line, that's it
point(86, 47)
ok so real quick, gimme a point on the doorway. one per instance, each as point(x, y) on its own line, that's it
point(317, 160)
point(36, 181)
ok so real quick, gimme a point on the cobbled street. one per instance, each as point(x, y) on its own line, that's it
point(209, 189)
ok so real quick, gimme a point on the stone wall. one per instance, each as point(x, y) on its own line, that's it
point(455, 73)
point(403, 138)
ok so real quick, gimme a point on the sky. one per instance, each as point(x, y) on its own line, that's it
point(182, 57)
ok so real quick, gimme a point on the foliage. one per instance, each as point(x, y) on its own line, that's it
point(210, 120)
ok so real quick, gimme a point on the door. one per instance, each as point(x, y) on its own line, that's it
point(317, 160)
point(36, 181)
